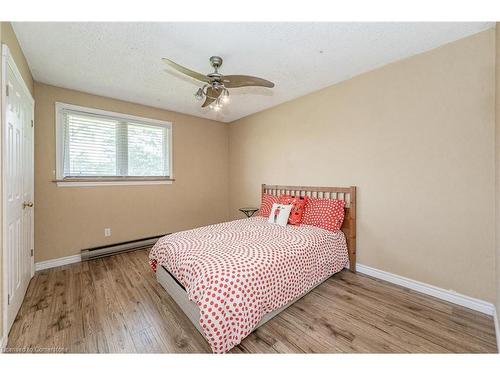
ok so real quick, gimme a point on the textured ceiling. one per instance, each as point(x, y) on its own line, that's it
point(123, 60)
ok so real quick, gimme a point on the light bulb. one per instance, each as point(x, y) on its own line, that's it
point(225, 96)
point(199, 94)
point(216, 106)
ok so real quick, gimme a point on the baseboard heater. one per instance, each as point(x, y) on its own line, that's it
point(122, 247)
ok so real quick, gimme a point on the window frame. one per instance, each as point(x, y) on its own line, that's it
point(107, 181)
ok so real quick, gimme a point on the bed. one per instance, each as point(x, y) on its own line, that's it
point(232, 277)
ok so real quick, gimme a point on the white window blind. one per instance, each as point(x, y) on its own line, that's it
point(101, 145)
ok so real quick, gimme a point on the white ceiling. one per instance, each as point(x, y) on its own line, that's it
point(122, 60)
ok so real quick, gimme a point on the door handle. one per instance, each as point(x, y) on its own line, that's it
point(27, 204)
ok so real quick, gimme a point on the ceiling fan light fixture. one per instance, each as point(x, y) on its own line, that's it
point(214, 89)
point(199, 94)
point(217, 106)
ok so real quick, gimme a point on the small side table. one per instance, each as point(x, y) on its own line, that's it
point(249, 211)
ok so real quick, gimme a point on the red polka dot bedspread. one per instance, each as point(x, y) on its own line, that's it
point(238, 271)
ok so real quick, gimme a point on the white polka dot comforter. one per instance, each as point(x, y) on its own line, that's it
point(238, 271)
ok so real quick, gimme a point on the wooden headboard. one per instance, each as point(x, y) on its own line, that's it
point(347, 194)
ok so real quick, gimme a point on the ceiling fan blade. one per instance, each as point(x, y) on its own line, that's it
point(212, 95)
point(186, 71)
point(242, 81)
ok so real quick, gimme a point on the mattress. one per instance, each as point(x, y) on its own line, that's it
point(238, 271)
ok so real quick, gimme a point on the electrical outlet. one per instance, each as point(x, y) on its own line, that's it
point(107, 232)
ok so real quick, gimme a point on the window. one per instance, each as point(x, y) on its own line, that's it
point(99, 147)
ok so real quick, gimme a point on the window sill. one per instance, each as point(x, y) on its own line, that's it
point(112, 182)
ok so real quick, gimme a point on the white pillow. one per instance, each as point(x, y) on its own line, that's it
point(279, 214)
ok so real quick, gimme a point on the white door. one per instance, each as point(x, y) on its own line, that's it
point(17, 156)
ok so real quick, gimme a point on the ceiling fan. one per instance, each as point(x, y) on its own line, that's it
point(215, 90)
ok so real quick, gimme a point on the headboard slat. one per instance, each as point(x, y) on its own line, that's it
point(347, 194)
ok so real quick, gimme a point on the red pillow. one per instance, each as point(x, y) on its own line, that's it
point(324, 213)
point(267, 204)
point(299, 205)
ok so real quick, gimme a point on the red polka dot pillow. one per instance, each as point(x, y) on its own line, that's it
point(324, 213)
point(299, 205)
point(266, 204)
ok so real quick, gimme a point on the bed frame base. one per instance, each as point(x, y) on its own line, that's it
point(179, 295)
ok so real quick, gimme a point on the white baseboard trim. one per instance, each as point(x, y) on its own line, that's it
point(51, 263)
point(431, 290)
point(497, 329)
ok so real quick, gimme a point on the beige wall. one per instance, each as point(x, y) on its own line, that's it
point(497, 170)
point(1, 187)
point(417, 138)
point(8, 37)
point(68, 219)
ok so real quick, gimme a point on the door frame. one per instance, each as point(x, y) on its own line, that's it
point(8, 61)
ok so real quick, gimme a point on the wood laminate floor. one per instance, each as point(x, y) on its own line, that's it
point(114, 304)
